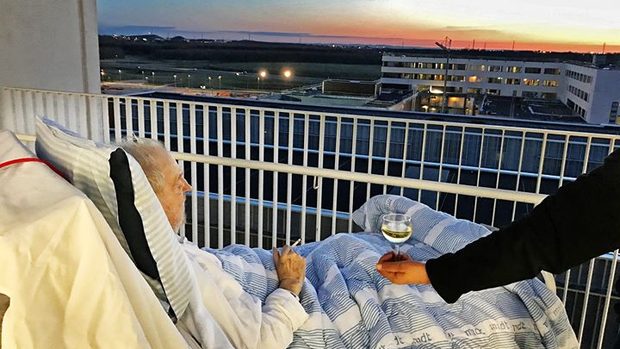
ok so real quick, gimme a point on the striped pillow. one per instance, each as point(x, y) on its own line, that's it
point(114, 181)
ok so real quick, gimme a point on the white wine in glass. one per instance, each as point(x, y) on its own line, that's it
point(396, 228)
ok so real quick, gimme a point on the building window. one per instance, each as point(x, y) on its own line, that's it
point(578, 92)
point(513, 81)
point(495, 68)
point(531, 82)
point(552, 71)
point(391, 75)
point(550, 83)
point(613, 112)
point(473, 79)
point(513, 69)
point(532, 70)
point(495, 80)
point(476, 67)
point(529, 94)
point(579, 76)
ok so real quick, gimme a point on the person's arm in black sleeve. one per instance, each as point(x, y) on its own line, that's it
point(579, 222)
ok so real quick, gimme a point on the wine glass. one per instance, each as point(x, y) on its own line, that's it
point(396, 228)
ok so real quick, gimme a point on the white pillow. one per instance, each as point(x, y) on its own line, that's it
point(106, 174)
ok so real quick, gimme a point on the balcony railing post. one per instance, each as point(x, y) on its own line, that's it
point(336, 167)
point(220, 177)
point(233, 176)
point(289, 177)
point(261, 174)
point(405, 151)
point(274, 195)
point(304, 181)
point(319, 187)
point(386, 163)
point(370, 153)
point(351, 182)
point(248, 143)
point(193, 172)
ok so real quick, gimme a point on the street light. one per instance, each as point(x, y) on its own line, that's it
point(153, 73)
point(219, 82)
point(446, 50)
point(189, 79)
point(287, 74)
point(120, 75)
point(209, 82)
point(102, 75)
point(175, 80)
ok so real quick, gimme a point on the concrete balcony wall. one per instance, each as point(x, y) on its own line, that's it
point(49, 45)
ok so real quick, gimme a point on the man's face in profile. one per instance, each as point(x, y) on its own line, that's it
point(171, 195)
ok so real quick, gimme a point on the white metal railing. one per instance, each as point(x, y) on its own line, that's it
point(262, 174)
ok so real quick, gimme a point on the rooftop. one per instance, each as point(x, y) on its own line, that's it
point(528, 109)
point(585, 59)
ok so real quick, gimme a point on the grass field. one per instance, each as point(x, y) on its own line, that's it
point(233, 75)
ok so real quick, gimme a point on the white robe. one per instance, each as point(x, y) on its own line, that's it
point(222, 315)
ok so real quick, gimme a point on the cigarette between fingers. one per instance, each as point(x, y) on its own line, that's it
point(296, 243)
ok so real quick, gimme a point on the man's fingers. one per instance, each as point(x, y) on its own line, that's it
point(386, 257)
point(394, 277)
point(276, 255)
point(286, 249)
point(394, 267)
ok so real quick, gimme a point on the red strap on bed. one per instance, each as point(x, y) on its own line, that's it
point(22, 160)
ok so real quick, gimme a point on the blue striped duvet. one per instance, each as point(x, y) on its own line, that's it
point(352, 306)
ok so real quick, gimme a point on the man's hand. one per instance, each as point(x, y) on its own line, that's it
point(291, 269)
point(402, 269)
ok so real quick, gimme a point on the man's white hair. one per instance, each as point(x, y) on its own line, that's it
point(142, 150)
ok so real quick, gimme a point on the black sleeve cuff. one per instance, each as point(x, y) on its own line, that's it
point(442, 280)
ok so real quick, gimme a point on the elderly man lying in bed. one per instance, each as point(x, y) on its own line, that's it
point(281, 314)
point(346, 303)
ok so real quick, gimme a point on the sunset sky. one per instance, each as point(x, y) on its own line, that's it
point(531, 24)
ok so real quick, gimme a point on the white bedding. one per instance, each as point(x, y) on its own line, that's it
point(70, 283)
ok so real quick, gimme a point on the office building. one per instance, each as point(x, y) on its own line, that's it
point(592, 91)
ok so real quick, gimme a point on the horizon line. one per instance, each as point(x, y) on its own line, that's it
point(298, 37)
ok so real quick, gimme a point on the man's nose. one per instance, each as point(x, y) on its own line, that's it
point(186, 186)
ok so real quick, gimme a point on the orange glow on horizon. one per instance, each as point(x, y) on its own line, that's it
point(489, 44)
point(373, 32)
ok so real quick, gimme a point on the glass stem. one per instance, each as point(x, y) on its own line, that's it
point(397, 250)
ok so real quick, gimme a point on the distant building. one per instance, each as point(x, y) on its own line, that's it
point(350, 88)
point(592, 91)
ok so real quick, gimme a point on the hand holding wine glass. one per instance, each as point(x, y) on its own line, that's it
point(396, 228)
